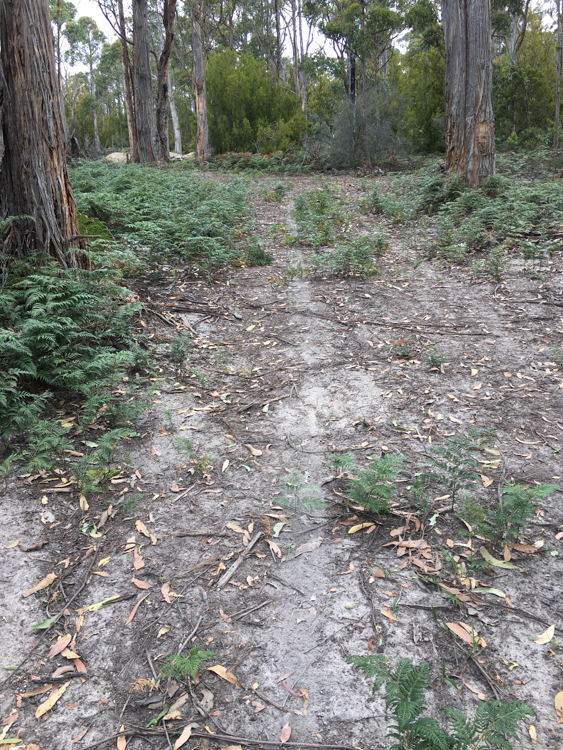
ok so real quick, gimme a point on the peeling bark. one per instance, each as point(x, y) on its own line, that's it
point(144, 99)
point(33, 176)
point(163, 80)
point(470, 143)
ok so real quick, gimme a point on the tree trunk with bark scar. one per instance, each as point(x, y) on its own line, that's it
point(168, 18)
point(470, 129)
point(33, 176)
point(144, 99)
point(202, 146)
point(128, 86)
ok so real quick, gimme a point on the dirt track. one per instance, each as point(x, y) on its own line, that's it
point(299, 369)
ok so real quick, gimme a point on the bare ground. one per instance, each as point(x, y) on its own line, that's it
point(298, 369)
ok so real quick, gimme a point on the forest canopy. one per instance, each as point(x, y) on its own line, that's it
point(343, 80)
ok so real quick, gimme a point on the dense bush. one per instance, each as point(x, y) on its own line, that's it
point(250, 110)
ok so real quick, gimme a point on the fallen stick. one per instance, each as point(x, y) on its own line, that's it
point(226, 577)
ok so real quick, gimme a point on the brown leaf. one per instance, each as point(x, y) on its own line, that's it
point(254, 451)
point(396, 532)
point(69, 654)
point(140, 526)
point(465, 633)
point(183, 738)
point(154, 451)
point(141, 584)
point(305, 696)
point(134, 610)
point(225, 617)
point(50, 702)
point(138, 561)
point(62, 670)
point(174, 487)
point(415, 544)
point(78, 737)
point(235, 527)
point(378, 573)
point(47, 581)
point(79, 666)
point(258, 707)
point(274, 547)
point(222, 672)
point(60, 645)
point(165, 591)
point(506, 554)
point(267, 450)
point(529, 549)
point(389, 615)
point(11, 718)
point(478, 693)
point(286, 733)
point(121, 741)
point(33, 548)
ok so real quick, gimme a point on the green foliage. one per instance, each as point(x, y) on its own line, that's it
point(249, 109)
point(256, 255)
point(435, 358)
point(494, 264)
point(351, 257)
point(503, 522)
point(373, 488)
point(317, 212)
point(181, 667)
point(62, 331)
point(164, 214)
point(452, 463)
point(300, 494)
point(200, 463)
point(180, 348)
point(493, 725)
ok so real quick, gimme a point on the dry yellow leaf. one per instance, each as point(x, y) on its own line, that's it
point(546, 636)
point(222, 672)
point(474, 372)
point(47, 581)
point(140, 526)
point(183, 738)
point(51, 700)
point(478, 693)
point(558, 701)
point(533, 734)
point(457, 421)
point(172, 715)
point(13, 544)
point(122, 741)
point(83, 502)
point(359, 527)
point(477, 386)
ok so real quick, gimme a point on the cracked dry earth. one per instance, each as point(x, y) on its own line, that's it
point(294, 371)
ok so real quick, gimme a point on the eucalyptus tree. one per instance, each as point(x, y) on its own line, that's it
point(470, 124)
point(62, 13)
point(34, 184)
point(85, 42)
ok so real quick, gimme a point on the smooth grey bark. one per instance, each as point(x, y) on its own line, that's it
point(175, 119)
point(203, 146)
point(144, 98)
point(470, 129)
point(33, 177)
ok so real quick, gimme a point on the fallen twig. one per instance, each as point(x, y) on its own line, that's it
point(226, 577)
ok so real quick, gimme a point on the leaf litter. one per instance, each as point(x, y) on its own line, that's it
point(245, 493)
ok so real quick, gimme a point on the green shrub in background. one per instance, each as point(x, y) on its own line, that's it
point(249, 109)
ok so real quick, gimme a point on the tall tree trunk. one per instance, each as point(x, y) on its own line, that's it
point(175, 119)
point(470, 140)
point(144, 99)
point(33, 176)
point(278, 38)
point(295, 48)
point(168, 18)
point(128, 86)
point(97, 144)
point(303, 84)
point(365, 91)
point(557, 122)
point(202, 146)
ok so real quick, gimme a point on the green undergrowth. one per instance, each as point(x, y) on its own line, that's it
point(507, 215)
point(495, 724)
point(278, 163)
point(66, 345)
point(163, 215)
